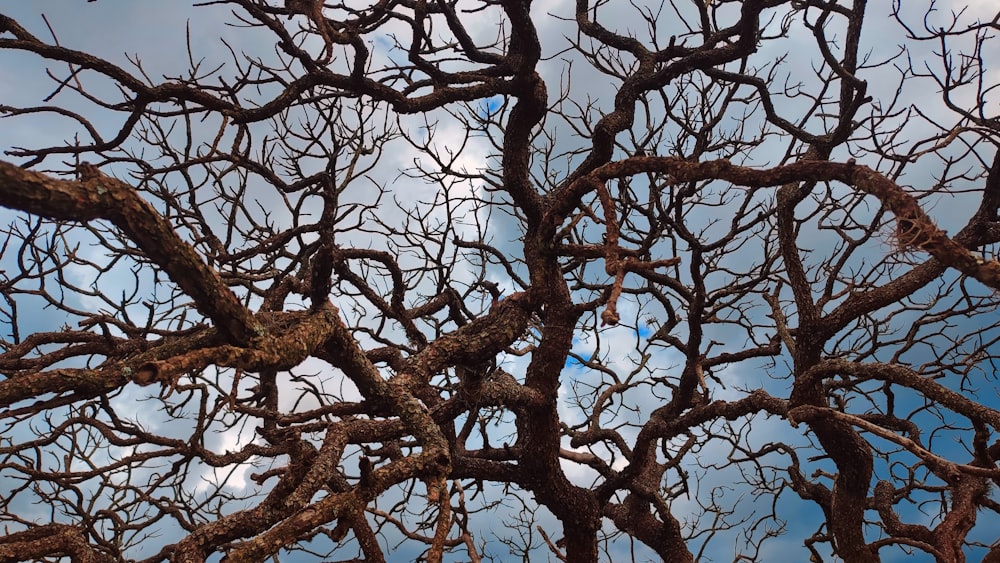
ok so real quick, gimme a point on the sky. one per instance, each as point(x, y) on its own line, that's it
point(155, 34)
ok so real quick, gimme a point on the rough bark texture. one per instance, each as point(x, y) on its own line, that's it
point(461, 280)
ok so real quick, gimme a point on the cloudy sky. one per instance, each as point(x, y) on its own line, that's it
point(155, 35)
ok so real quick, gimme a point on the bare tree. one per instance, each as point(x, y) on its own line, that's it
point(481, 280)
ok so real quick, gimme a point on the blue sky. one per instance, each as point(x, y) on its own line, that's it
point(155, 34)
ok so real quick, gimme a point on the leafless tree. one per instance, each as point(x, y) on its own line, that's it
point(481, 280)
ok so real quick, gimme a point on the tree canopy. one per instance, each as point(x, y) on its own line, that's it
point(493, 280)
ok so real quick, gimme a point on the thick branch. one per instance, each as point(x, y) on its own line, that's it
point(103, 197)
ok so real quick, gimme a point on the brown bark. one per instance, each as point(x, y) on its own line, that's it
point(426, 275)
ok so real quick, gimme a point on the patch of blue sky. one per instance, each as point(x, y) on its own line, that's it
point(573, 361)
point(644, 330)
point(488, 107)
